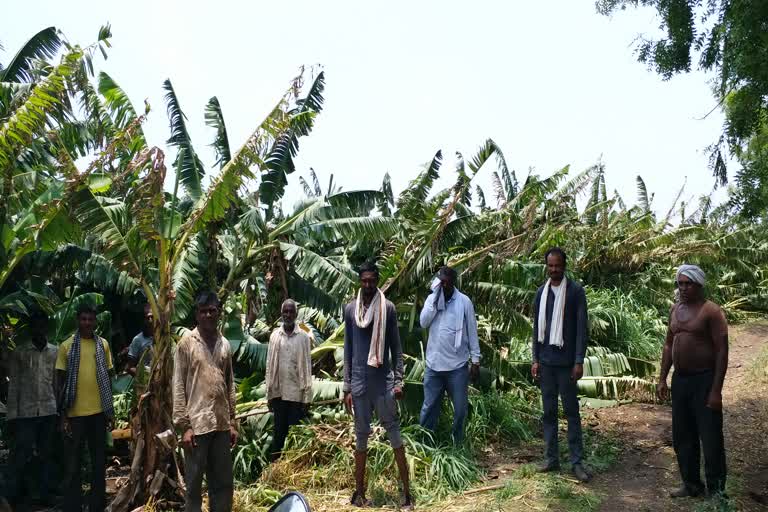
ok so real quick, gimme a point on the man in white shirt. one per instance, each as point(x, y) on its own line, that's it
point(450, 317)
point(289, 376)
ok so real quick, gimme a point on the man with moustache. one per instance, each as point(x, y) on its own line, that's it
point(84, 373)
point(453, 343)
point(558, 349)
point(204, 407)
point(697, 346)
point(288, 376)
point(373, 376)
point(31, 412)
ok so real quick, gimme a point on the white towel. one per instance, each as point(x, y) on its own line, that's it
point(558, 314)
point(376, 314)
point(435, 286)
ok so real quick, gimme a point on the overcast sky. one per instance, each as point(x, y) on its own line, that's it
point(552, 82)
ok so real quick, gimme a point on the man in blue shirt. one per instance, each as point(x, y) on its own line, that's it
point(450, 317)
point(558, 348)
point(141, 343)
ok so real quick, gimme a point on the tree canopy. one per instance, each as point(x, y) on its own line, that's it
point(729, 40)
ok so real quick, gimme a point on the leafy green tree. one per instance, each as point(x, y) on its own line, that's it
point(727, 39)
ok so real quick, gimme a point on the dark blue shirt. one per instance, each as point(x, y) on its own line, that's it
point(359, 378)
point(575, 332)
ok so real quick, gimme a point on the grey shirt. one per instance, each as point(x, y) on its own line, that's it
point(30, 390)
point(359, 378)
point(139, 344)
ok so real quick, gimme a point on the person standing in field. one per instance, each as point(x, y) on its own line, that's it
point(140, 349)
point(559, 344)
point(289, 376)
point(204, 407)
point(452, 344)
point(31, 413)
point(84, 373)
point(373, 376)
point(697, 346)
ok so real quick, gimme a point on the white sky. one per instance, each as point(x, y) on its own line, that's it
point(552, 82)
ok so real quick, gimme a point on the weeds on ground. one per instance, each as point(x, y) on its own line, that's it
point(716, 504)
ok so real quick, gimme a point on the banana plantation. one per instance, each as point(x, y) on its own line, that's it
point(90, 211)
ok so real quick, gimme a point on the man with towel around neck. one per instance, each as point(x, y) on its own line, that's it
point(450, 317)
point(558, 349)
point(697, 346)
point(373, 375)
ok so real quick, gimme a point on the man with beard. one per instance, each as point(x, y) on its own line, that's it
point(288, 376)
point(373, 375)
point(204, 407)
point(558, 348)
point(697, 346)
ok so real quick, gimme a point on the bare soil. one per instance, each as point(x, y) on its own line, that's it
point(647, 469)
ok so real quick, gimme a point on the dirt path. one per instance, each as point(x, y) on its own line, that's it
point(647, 469)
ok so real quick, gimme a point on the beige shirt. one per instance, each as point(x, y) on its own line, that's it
point(203, 385)
point(289, 370)
point(30, 390)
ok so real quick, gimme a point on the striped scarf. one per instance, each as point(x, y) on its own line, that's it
point(102, 375)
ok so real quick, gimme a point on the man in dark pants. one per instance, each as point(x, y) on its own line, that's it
point(558, 348)
point(31, 412)
point(83, 375)
point(697, 346)
point(373, 376)
point(204, 407)
point(288, 376)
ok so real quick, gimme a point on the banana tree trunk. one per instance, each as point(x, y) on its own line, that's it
point(155, 470)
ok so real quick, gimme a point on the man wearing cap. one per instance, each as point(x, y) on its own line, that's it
point(697, 346)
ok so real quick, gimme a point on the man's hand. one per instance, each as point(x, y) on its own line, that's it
point(715, 400)
point(535, 371)
point(188, 439)
point(110, 424)
point(398, 392)
point(577, 372)
point(305, 408)
point(348, 402)
point(270, 405)
point(474, 371)
point(662, 391)
point(232, 436)
point(438, 292)
point(65, 427)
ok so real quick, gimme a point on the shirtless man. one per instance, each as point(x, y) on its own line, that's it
point(697, 346)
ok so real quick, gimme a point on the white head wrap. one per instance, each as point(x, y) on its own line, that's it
point(692, 272)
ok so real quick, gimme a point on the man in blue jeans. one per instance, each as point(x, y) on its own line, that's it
point(450, 317)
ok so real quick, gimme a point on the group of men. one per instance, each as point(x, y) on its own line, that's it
point(72, 383)
point(69, 387)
